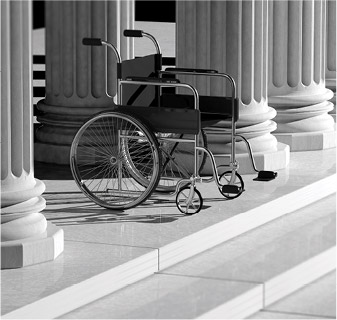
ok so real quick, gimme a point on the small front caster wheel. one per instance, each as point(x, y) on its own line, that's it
point(189, 201)
point(232, 185)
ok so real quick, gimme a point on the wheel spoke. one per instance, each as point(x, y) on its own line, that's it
point(226, 178)
point(108, 167)
point(191, 207)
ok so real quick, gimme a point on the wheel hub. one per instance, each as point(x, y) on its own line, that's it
point(113, 160)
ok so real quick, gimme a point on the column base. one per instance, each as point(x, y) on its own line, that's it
point(308, 141)
point(274, 160)
point(12, 196)
point(51, 153)
point(24, 252)
point(332, 113)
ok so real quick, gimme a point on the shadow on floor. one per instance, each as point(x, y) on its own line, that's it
point(94, 215)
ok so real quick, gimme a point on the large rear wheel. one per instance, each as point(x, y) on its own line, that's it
point(108, 155)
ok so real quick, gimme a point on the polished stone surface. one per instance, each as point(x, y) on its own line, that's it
point(316, 140)
point(270, 250)
point(167, 297)
point(282, 315)
point(44, 247)
point(78, 262)
point(315, 301)
point(97, 239)
point(186, 290)
point(157, 222)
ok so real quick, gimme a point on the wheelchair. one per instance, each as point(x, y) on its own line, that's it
point(152, 141)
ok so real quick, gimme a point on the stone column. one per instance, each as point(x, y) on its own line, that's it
point(231, 37)
point(26, 237)
point(296, 85)
point(330, 71)
point(80, 80)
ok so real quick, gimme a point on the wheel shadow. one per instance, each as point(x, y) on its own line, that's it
point(73, 208)
point(80, 216)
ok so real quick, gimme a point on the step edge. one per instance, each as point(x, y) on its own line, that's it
point(57, 299)
point(189, 246)
point(89, 290)
point(324, 263)
point(300, 275)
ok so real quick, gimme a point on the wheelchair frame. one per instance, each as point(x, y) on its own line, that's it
point(188, 198)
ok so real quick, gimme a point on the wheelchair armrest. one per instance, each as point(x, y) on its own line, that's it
point(149, 79)
point(190, 70)
point(203, 72)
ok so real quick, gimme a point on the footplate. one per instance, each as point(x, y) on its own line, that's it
point(231, 188)
point(266, 176)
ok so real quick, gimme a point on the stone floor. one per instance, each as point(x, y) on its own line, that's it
point(106, 251)
point(231, 280)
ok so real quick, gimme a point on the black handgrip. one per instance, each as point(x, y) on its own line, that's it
point(133, 33)
point(92, 42)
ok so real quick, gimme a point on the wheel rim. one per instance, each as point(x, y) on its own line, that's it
point(101, 167)
point(227, 178)
point(181, 201)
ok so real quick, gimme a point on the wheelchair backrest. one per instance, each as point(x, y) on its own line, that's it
point(142, 95)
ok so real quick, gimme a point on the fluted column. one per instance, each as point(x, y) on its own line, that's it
point(330, 71)
point(296, 86)
point(80, 80)
point(231, 37)
point(26, 237)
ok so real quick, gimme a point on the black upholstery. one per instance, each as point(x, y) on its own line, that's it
point(172, 112)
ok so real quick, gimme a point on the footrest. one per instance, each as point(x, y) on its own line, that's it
point(231, 188)
point(266, 176)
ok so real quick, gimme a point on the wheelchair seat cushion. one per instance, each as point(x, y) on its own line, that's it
point(213, 109)
point(166, 120)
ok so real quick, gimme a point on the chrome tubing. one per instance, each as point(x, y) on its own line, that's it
point(164, 84)
point(249, 151)
point(111, 46)
point(153, 39)
point(233, 85)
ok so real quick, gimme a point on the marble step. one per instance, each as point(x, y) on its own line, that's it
point(220, 232)
point(316, 300)
point(81, 291)
point(236, 279)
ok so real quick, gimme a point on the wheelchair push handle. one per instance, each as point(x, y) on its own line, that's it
point(133, 33)
point(92, 41)
point(141, 34)
point(100, 42)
